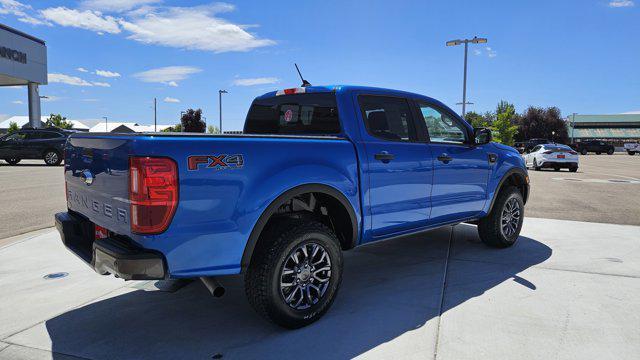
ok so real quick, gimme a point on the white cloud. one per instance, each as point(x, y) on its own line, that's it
point(115, 5)
point(621, 3)
point(13, 7)
point(17, 102)
point(107, 74)
point(632, 112)
point(490, 52)
point(51, 98)
point(255, 81)
point(87, 19)
point(74, 80)
point(90, 100)
point(477, 52)
point(194, 28)
point(171, 100)
point(169, 75)
point(81, 69)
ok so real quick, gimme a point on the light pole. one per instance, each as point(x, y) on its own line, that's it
point(220, 92)
point(475, 40)
point(106, 126)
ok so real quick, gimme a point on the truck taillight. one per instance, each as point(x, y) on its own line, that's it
point(153, 193)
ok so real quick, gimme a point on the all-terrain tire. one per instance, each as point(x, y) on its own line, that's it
point(490, 228)
point(263, 277)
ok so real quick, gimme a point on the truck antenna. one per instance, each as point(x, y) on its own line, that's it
point(305, 83)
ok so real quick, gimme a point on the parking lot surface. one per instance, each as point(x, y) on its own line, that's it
point(605, 189)
point(566, 290)
point(30, 193)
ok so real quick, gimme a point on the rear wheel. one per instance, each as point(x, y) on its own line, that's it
point(583, 152)
point(12, 161)
point(502, 226)
point(598, 153)
point(631, 152)
point(573, 169)
point(295, 274)
point(610, 152)
point(52, 158)
point(535, 165)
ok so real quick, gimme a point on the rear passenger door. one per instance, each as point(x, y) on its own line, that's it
point(461, 168)
point(399, 166)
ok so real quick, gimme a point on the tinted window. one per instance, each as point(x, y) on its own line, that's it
point(16, 136)
point(442, 127)
point(387, 118)
point(49, 135)
point(312, 114)
point(536, 148)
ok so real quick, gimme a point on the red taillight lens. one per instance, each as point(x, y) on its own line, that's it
point(153, 192)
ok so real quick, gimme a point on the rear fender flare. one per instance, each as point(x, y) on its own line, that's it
point(281, 199)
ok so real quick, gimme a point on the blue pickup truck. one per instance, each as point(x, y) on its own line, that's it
point(318, 170)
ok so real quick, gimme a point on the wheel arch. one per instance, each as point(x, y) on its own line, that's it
point(516, 177)
point(331, 194)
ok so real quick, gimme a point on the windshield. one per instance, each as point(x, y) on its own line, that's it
point(300, 114)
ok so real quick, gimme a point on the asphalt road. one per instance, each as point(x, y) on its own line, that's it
point(32, 192)
point(606, 189)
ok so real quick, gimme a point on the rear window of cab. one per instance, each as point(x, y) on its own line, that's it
point(295, 114)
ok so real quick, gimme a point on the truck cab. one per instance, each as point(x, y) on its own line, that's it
point(317, 171)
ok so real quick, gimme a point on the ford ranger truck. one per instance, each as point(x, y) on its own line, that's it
point(317, 171)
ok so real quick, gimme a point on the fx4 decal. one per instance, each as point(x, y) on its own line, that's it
point(218, 162)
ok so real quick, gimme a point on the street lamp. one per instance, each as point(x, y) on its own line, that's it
point(220, 92)
point(475, 40)
point(106, 126)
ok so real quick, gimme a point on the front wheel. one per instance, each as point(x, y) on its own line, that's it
point(631, 153)
point(12, 161)
point(295, 274)
point(610, 152)
point(52, 158)
point(598, 153)
point(583, 152)
point(502, 226)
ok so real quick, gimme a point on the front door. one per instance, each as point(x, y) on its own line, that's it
point(461, 168)
point(399, 167)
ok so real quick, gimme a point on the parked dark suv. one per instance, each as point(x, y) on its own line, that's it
point(595, 146)
point(46, 144)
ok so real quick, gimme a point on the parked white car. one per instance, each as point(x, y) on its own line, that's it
point(632, 148)
point(554, 156)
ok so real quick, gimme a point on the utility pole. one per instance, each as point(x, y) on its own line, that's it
point(155, 115)
point(573, 124)
point(220, 92)
point(475, 40)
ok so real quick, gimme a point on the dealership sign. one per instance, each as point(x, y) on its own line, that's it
point(14, 55)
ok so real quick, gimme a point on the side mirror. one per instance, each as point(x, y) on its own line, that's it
point(482, 136)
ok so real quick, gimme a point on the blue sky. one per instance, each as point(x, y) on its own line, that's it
point(112, 57)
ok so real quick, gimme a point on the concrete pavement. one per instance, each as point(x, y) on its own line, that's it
point(567, 290)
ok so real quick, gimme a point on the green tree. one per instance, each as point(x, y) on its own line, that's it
point(13, 127)
point(212, 129)
point(174, 128)
point(191, 121)
point(476, 120)
point(505, 107)
point(59, 121)
point(503, 128)
point(537, 122)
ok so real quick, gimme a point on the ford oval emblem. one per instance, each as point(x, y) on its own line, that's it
point(87, 177)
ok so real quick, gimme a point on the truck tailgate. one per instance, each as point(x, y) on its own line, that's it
point(97, 183)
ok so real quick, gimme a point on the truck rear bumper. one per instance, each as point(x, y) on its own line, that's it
point(110, 255)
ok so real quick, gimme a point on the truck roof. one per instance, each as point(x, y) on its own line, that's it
point(348, 88)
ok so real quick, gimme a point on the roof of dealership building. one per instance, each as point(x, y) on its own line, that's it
point(616, 126)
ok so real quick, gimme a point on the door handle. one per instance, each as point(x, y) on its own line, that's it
point(445, 158)
point(384, 156)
